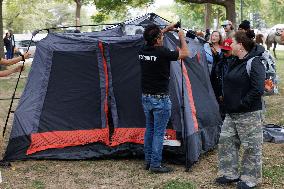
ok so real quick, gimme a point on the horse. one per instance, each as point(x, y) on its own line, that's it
point(274, 38)
point(259, 39)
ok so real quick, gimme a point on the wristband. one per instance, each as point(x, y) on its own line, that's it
point(23, 57)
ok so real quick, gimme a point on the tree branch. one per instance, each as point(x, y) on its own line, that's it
point(217, 2)
point(78, 2)
point(228, 4)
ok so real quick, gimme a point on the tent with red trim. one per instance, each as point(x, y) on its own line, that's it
point(82, 99)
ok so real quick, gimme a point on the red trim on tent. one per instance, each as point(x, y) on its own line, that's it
point(198, 57)
point(101, 47)
point(135, 135)
point(190, 97)
point(61, 139)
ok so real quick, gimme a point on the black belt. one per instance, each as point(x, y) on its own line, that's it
point(160, 95)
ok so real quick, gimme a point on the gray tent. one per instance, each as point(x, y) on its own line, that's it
point(83, 98)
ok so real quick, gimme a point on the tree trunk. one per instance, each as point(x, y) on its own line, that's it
point(218, 17)
point(208, 14)
point(231, 11)
point(228, 4)
point(78, 12)
point(1, 32)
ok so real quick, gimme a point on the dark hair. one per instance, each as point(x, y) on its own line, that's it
point(151, 34)
point(245, 25)
point(250, 33)
point(246, 39)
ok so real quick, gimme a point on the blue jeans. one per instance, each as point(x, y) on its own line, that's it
point(9, 54)
point(157, 112)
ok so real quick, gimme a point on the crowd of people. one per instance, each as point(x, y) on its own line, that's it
point(238, 93)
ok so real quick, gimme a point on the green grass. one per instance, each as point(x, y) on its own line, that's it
point(177, 184)
point(275, 103)
point(274, 173)
point(37, 184)
point(275, 114)
point(8, 84)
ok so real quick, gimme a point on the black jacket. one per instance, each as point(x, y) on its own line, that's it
point(7, 43)
point(218, 73)
point(242, 93)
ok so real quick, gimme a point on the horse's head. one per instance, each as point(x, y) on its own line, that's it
point(259, 38)
point(279, 31)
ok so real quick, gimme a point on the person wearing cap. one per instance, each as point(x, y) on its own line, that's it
point(219, 71)
point(228, 28)
point(155, 60)
point(244, 25)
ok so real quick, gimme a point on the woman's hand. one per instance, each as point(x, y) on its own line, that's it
point(27, 55)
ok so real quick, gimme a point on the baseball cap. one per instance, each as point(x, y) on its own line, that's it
point(226, 22)
point(227, 45)
point(245, 25)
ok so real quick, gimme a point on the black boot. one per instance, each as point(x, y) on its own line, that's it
point(146, 166)
point(161, 169)
point(224, 180)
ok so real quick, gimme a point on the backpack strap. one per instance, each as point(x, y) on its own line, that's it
point(248, 65)
point(249, 62)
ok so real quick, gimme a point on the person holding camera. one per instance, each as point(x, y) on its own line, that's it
point(219, 71)
point(212, 49)
point(155, 62)
point(12, 61)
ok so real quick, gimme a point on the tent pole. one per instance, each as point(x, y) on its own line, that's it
point(183, 115)
point(14, 93)
point(182, 118)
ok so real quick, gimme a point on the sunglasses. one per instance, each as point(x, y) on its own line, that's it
point(225, 25)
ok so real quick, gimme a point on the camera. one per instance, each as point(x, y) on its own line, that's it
point(177, 25)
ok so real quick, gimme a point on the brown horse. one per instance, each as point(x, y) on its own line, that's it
point(274, 38)
point(259, 39)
